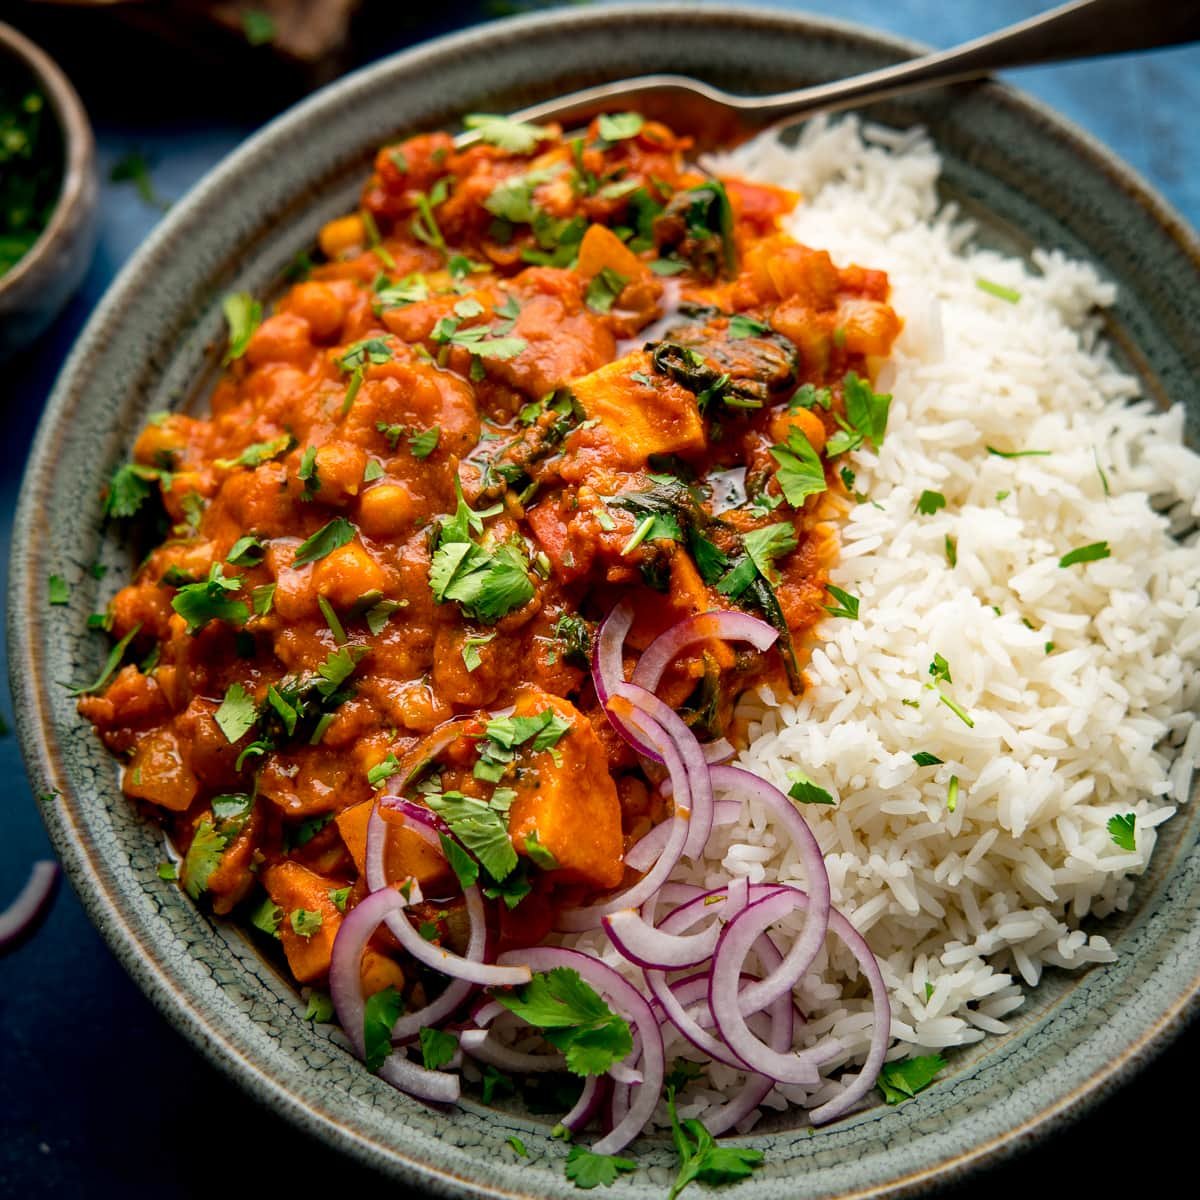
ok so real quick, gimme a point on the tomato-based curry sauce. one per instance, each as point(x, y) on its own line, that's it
point(528, 379)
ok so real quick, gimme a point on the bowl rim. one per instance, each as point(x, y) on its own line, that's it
point(35, 725)
point(79, 150)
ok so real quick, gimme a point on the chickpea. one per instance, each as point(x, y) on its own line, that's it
point(283, 337)
point(340, 468)
point(386, 510)
point(347, 574)
point(342, 235)
point(320, 305)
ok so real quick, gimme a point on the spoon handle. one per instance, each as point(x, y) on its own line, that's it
point(1080, 29)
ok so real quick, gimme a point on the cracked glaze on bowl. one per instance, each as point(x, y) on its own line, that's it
point(151, 346)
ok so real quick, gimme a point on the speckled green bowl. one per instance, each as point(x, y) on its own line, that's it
point(151, 345)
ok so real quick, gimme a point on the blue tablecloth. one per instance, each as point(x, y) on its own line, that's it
point(98, 1095)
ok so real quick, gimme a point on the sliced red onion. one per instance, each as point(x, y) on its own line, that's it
point(643, 853)
point(585, 1108)
point(575, 920)
point(647, 946)
point(417, 816)
point(630, 1003)
point(804, 949)
point(478, 1043)
point(608, 670)
point(724, 625)
point(345, 988)
point(700, 785)
point(727, 996)
point(620, 1073)
point(718, 751)
point(19, 917)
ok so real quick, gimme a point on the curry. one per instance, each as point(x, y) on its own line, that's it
point(528, 379)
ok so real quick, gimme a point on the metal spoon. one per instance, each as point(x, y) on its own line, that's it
point(715, 118)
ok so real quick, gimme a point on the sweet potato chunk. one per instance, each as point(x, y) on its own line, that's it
point(641, 419)
point(404, 853)
point(571, 805)
point(294, 888)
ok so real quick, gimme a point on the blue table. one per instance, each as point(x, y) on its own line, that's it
point(98, 1095)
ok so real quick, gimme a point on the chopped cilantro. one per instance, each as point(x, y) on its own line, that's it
point(700, 1157)
point(328, 538)
point(262, 598)
point(480, 828)
point(952, 794)
point(929, 502)
point(461, 863)
point(866, 410)
point(128, 489)
point(339, 896)
point(471, 657)
point(115, 655)
point(423, 444)
point(266, 917)
point(332, 620)
point(202, 858)
point(951, 547)
point(846, 606)
point(320, 1007)
point(538, 853)
point(800, 473)
point(742, 326)
point(305, 922)
point(940, 668)
point(437, 1048)
point(767, 544)
point(806, 791)
point(808, 395)
point(616, 127)
point(243, 314)
point(168, 871)
point(924, 759)
point(210, 600)
point(1085, 554)
point(247, 551)
point(1122, 830)
point(379, 614)
point(258, 26)
point(517, 1145)
point(900, 1081)
point(603, 289)
point(57, 590)
point(588, 1170)
point(573, 1017)
point(380, 1014)
point(237, 714)
point(515, 137)
point(1018, 453)
point(998, 290)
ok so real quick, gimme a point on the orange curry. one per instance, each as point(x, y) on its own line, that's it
point(527, 379)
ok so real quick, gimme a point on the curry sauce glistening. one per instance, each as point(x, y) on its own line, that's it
point(527, 379)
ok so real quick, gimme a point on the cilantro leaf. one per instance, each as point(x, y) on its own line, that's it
point(807, 395)
point(327, 539)
point(305, 922)
point(480, 828)
point(243, 314)
point(380, 1014)
point(539, 854)
point(339, 896)
point(1018, 453)
point(515, 137)
point(806, 792)
point(616, 127)
point(588, 1170)
point(998, 290)
point(423, 444)
point(202, 858)
point(320, 1008)
point(866, 410)
point(801, 473)
point(940, 668)
point(237, 715)
point(517, 1145)
point(461, 863)
point(209, 600)
point(929, 502)
point(437, 1048)
point(1085, 554)
point(701, 1158)
point(603, 289)
point(900, 1081)
point(924, 759)
point(1122, 831)
point(767, 544)
point(742, 326)
point(128, 489)
point(486, 585)
point(247, 551)
point(58, 590)
point(266, 917)
point(846, 606)
point(471, 657)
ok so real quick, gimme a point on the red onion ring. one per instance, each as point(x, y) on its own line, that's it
point(642, 854)
point(478, 1043)
point(689, 749)
point(576, 920)
point(629, 1001)
point(345, 989)
point(32, 900)
point(585, 1108)
point(723, 625)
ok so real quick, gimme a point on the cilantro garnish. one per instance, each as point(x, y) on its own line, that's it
point(237, 715)
point(210, 600)
point(924, 759)
point(461, 863)
point(588, 1170)
point(616, 127)
point(1085, 554)
point(437, 1048)
point(603, 289)
point(305, 922)
point(339, 896)
point(806, 791)
point(369, 350)
point(1018, 453)
point(423, 444)
point(800, 473)
point(262, 598)
point(866, 409)
point(929, 502)
point(57, 590)
point(320, 1007)
point(846, 606)
point(515, 137)
point(247, 551)
point(480, 828)
point(951, 546)
point(412, 289)
point(202, 858)
point(424, 224)
point(380, 1014)
point(767, 544)
point(258, 26)
point(168, 871)
point(327, 539)
point(539, 854)
point(952, 794)
point(471, 657)
point(517, 1145)
point(940, 668)
point(332, 620)
point(1122, 831)
point(701, 1158)
point(808, 395)
point(573, 1017)
point(128, 489)
point(998, 290)
point(900, 1081)
point(243, 314)
point(742, 326)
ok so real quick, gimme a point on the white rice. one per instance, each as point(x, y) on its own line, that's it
point(966, 909)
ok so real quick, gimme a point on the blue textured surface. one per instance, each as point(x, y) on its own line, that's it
point(98, 1095)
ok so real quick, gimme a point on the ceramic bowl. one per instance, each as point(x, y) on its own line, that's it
point(34, 290)
point(152, 344)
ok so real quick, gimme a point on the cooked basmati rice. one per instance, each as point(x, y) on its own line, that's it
point(1081, 681)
